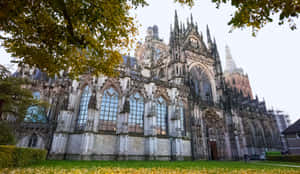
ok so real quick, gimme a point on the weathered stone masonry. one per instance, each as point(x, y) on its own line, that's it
point(170, 102)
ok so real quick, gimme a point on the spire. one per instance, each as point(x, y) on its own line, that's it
point(176, 25)
point(208, 35)
point(230, 64)
point(215, 51)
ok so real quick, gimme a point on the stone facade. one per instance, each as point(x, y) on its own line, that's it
point(170, 102)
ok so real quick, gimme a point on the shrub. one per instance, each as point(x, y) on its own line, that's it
point(286, 158)
point(11, 156)
point(6, 135)
point(273, 153)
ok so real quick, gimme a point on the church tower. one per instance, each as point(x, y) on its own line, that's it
point(235, 77)
point(177, 62)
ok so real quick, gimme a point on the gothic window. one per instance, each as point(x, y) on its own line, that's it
point(83, 108)
point(162, 118)
point(135, 120)
point(182, 125)
point(109, 110)
point(33, 140)
point(35, 113)
point(200, 84)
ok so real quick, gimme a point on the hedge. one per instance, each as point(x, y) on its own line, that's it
point(286, 158)
point(273, 153)
point(12, 156)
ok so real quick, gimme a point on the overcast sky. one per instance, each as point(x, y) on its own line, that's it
point(271, 59)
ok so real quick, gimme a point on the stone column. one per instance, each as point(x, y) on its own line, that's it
point(87, 144)
point(150, 131)
point(61, 135)
point(122, 130)
point(228, 147)
point(175, 133)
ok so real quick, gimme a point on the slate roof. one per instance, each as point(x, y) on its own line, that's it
point(294, 128)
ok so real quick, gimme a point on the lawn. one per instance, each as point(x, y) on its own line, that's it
point(156, 167)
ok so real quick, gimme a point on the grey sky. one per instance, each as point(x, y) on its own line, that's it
point(271, 59)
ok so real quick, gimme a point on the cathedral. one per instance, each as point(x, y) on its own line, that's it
point(170, 102)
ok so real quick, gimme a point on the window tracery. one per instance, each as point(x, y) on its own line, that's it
point(136, 119)
point(83, 108)
point(109, 110)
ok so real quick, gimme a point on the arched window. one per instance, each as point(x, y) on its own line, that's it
point(162, 118)
point(182, 125)
point(33, 140)
point(135, 120)
point(109, 110)
point(83, 108)
point(35, 113)
point(200, 84)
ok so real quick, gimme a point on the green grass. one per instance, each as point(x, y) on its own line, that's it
point(155, 164)
point(282, 162)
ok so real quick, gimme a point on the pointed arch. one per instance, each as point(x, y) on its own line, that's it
point(83, 108)
point(250, 134)
point(109, 110)
point(204, 75)
point(161, 116)
point(162, 92)
point(136, 115)
point(259, 133)
point(111, 83)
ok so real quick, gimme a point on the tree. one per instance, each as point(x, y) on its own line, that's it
point(14, 98)
point(76, 36)
point(80, 36)
point(14, 101)
point(255, 14)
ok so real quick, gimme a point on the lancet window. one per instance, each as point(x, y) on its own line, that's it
point(109, 110)
point(83, 108)
point(136, 119)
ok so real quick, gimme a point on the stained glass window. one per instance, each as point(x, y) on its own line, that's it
point(109, 110)
point(162, 118)
point(135, 120)
point(83, 108)
point(35, 113)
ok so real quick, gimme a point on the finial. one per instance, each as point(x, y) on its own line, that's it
point(176, 25)
point(208, 35)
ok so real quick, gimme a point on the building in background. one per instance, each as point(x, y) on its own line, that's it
point(292, 137)
point(235, 77)
point(171, 101)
